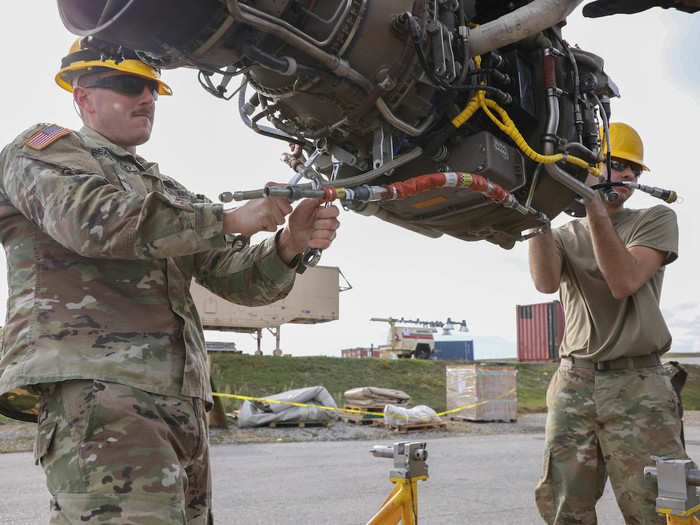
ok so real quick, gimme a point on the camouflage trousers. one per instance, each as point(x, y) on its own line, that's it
point(117, 455)
point(603, 424)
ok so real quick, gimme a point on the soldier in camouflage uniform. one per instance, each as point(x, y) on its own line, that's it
point(102, 342)
point(610, 404)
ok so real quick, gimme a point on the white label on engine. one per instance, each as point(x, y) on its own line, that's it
point(501, 148)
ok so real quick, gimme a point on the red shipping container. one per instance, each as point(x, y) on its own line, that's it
point(540, 330)
point(348, 352)
point(359, 352)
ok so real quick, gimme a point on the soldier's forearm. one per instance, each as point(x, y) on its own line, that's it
point(616, 263)
point(545, 263)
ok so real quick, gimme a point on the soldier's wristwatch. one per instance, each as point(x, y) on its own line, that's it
point(297, 263)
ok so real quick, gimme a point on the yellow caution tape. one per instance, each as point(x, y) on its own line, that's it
point(353, 411)
point(477, 404)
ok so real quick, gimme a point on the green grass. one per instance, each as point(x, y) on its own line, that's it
point(264, 375)
point(424, 381)
point(532, 381)
point(691, 392)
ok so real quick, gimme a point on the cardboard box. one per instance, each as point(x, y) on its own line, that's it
point(485, 386)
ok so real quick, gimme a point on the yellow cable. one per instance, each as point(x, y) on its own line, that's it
point(467, 113)
point(507, 126)
point(473, 105)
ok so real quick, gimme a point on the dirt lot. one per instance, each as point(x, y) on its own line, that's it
point(19, 437)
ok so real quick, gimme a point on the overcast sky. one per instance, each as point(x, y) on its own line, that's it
point(200, 141)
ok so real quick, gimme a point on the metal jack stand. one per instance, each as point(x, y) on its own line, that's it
point(276, 332)
point(410, 467)
point(678, 496)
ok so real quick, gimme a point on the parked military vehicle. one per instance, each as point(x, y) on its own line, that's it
point(413, 338)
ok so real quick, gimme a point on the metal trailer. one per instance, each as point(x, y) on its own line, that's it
point(454, 350)
point(360, 352)
point(540, 329)
point(313, 299)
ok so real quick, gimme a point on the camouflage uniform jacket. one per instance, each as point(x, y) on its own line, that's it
point(101, 249)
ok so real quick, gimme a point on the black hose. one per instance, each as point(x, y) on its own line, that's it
point(503, 97)
point(577, 88)
point(606, 128)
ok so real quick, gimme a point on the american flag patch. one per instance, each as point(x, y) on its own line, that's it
point(46, 136)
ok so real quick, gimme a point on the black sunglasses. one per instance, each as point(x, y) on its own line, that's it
point(126, 84)
point(620, 165)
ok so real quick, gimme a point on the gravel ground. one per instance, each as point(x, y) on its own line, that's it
point(19, 437)
point(339, 430)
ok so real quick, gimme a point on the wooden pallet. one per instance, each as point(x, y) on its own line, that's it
point(301, 424)
point(420, 426)
point(373, 421)
point(363, 419)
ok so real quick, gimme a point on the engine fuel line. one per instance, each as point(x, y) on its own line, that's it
point(399, 190)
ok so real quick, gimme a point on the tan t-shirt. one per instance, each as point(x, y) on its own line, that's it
point(598, 326)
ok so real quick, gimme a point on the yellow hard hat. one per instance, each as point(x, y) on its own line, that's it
point(625, 143)
point(86, 56)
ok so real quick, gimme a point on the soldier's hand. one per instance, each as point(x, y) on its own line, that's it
point(310, 226)
point(592, 180)
point(257, 215)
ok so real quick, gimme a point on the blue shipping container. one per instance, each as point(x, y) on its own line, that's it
point(454, 350)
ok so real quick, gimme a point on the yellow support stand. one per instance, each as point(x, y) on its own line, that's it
point(684, 518)
point(401, 506)
point(677, 481)
point(409, 468)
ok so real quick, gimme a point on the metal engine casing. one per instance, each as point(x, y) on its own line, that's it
point(358, 84)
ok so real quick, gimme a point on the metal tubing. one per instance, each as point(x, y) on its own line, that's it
point(293, 193)
point(382, 451)
point(298, 32)
point(370, 175)
point(553, 170)
point(349, 182)
point(242, 195)
point(400, 124)
point(521, 23)
point(214, 38)
point(339, 66)
point(582, 151)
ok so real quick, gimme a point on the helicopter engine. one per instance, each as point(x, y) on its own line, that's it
point(383, 91)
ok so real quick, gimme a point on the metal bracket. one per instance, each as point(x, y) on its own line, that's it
point(409, 458)
point(677, 480)
point(382, 147)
